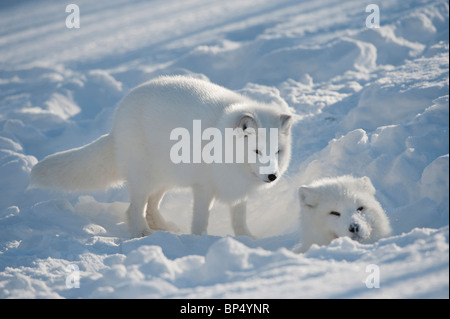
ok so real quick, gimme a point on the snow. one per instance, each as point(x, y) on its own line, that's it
point(369, 101)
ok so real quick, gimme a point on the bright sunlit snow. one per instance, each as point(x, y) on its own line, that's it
point(370, 101)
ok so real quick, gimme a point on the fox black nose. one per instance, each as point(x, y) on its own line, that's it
point(354, 228)
point(272, 177)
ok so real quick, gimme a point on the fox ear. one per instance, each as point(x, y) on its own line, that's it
point(366, 185)
point(286, 122)
point(248, 124)
point(308, 196)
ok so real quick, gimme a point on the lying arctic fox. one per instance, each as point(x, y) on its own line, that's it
point(140, 148)
point(337, 207)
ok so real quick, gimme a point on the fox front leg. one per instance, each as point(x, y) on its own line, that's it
point(238, 214)
point(203, 201)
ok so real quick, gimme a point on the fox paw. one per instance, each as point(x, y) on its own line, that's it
point(137, 233)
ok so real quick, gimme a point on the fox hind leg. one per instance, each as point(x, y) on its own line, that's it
point(153, 215)
point(137, 223)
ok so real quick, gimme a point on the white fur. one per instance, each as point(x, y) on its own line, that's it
point(323, 200)
point(138, 147)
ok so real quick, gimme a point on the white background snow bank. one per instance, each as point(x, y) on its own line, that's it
point(369, 101)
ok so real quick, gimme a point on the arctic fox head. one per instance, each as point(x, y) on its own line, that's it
point(260, 146)
point(341, 206)
point(266, 136)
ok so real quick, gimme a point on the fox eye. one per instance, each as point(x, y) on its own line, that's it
point(360, 208)
point(258, 152)
point(335, 214)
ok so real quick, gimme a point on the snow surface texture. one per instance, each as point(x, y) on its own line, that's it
point(370, 101)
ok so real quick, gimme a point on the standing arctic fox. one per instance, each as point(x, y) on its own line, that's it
point(138, 152)
point(337, 207)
